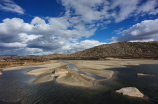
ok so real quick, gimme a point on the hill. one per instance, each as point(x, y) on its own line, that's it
point(122, 50)
point(115, 50)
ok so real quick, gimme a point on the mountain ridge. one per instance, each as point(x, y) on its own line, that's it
point(116, 50)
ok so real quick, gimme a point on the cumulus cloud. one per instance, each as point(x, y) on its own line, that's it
point(81, 19)
point(37, 21)
point(9, 5)
point(51, 37)
point(11, 45)
point(145, 31)
point(78, 46)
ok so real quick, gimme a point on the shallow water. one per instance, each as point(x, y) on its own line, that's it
point(73, 67)
point(146, 84)
point(16, 87)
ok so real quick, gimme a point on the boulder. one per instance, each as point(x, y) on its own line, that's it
point(130, 91)
point(141, 74)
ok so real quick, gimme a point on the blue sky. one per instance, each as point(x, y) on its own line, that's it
point(41, 27)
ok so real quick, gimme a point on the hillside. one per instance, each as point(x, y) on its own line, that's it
point(122, 50)
point(115, 50)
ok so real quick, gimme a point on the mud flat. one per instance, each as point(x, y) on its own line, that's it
point(46, 69)
point(43, 79)
point(67, 77)
point(99, 67)
point(75, 79)
point(43, 68)
point(63, 75)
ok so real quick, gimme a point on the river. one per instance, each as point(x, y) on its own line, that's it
point(16, 88)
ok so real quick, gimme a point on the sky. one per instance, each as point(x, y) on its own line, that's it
point(43, 27)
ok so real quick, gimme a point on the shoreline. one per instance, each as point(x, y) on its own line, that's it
point(73, 78)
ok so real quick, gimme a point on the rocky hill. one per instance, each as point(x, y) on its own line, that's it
point(115, 50)
point(123, 50)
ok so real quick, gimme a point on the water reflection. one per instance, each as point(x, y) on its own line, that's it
point(16, 87)
point(73, 67)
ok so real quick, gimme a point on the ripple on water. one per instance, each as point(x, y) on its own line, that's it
point(14, 87)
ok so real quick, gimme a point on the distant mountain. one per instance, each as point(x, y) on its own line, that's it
point(115, 50)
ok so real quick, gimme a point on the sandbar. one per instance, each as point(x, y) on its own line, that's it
point(42, 68)
point(43, 79)
point(76, 79)
point(99, 68)
point(73, 78)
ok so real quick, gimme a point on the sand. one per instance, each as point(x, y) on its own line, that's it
point(0, 71)
point(42, 68)
point(43, 79)
point(47, 68)
point(29, 66)
point(67, 77)
point(99, 67)
point(73, 78)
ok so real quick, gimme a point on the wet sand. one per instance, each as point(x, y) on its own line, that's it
point(68, 77)
point(99, 67)
point(43, 68)
point(43, 79)
point(74, 78)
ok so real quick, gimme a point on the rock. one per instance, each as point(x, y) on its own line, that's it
point(141, 74)
point(130, 91)
point(59, 71)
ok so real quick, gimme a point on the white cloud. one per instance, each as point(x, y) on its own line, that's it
point(154, 12)
point(38, 21)
point(78, 46)
point(148, 7)
point(119, 31)
point(12, 45)
point(126, 8)
point(9, 5)
point(86, 10)
point(106, 11)
point(133, 8)
point(49, 37)
point(60, 23)
point(81, 19)
point(143, 40)
point(144, 31)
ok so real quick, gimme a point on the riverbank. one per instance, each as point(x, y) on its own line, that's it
point(99, 67)
point(42, 68)
point(74, 78)
point(17, 87)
